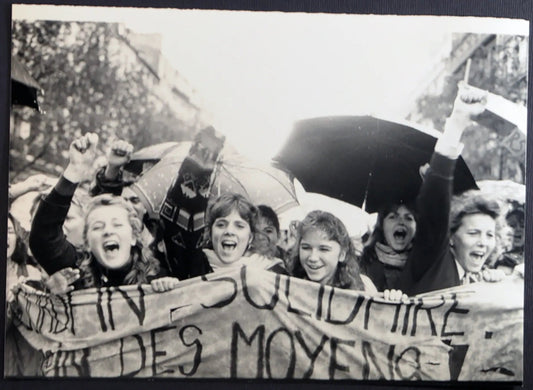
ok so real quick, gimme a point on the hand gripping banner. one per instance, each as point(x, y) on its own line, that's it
point(250, 323)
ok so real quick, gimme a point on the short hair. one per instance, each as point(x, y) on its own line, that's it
point(471, 204)
point(226, 203)
point(269, 214)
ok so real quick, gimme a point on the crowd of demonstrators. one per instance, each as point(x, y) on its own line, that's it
point(102, 235)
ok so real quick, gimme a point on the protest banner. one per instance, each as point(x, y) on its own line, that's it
point(250, 323)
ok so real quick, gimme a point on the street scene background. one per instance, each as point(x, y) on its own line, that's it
point(252, 75)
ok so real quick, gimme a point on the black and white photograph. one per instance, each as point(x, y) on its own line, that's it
point(225, 194)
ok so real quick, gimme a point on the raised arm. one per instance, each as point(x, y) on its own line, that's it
point(433, 202)
point(48, 243)
point(37, 182)
point(109, 178)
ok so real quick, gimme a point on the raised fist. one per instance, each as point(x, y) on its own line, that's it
point(119, 153)
point(82, 153)
point(470, 101)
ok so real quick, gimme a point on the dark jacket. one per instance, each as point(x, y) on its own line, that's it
point(430, 243)
point(431, 265)
point(51, 248)
point(437, 274)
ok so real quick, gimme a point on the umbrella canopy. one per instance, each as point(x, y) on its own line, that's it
point(363, 160)
point(151, 155)
point(260, 183)
point(23, 87)
point(356, 221)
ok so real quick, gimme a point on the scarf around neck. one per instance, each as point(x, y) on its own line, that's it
point(389, 256)
point(253, 260)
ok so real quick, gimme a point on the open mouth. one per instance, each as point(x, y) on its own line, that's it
point(111, 246)
point(477, 255)
point(228, 245)
point(314, 267)
point(400, 233)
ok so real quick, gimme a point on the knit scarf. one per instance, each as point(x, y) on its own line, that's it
point(389, 256)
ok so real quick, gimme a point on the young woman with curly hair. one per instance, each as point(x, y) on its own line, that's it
point(324, 253)
point(112, 253)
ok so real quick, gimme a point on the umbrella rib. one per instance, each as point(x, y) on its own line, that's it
point(263, 171)
point(234, 178)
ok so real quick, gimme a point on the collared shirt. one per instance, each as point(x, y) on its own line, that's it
point(468, 277)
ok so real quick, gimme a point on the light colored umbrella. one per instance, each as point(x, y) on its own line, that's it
point(260, 183)
point(357, 221)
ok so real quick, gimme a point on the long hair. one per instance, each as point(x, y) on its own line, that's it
point(224, 205)
point(378, 235)
point(347, 275)
point(144, 263)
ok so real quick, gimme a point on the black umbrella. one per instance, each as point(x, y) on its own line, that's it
point(24, 88)
point(363, 160)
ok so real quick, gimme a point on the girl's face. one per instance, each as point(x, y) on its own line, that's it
point(266, 237)
point(230, 236)
point(399, 228)
point(320, 256)
point(11, 238)
point(110, 236)
point(474, 241)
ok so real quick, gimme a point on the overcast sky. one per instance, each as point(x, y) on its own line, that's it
point(258, 72)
